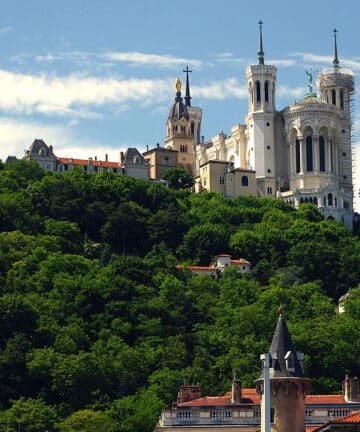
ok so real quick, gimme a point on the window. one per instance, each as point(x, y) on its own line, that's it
point(220, 414)
point(115, 170)
point(330, 199)
point(183, 148)
point(333, 97)
point(136, 159)
point(309, 155)
point(297, 155)
point(322, 153)
point(222, 180)
point(342, 99)
point(266, 88)
point(269, 190)
point(192, 128)
point(258, 96)
point(244, 180)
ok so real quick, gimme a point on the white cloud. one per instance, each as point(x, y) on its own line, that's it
point(288, 92)
point(220, 90)
point(138, 58)
point(73, 95)
point(5, 29)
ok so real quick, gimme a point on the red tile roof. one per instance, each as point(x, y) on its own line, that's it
point(240, 261)
point(99, 163)
point(352, 418)
point(250, 396)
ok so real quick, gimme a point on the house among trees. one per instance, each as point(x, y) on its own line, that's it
point(221, 262)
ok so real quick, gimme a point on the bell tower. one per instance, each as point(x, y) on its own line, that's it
point(261, 121)
point(179, 135)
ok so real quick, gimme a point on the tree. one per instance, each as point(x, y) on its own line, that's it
point(29, 415)
point(179, 178)
point(87, 420)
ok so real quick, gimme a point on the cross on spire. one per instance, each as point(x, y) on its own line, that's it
point(261, 50)
point(187, 93)
point(336, 59)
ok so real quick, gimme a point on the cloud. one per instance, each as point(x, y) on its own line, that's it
point(133, 58)
point(5, 29)
point(74, 95)
point(220, 90)
point(288, 92)
point(17, 135)
point(138, 58)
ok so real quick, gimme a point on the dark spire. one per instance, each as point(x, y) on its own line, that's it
point(285, 362)
point(261, 50)
point(336, 60)
point(187, 93)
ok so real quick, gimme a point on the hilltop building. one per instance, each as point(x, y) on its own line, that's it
point(292, 408)
point(301, 153)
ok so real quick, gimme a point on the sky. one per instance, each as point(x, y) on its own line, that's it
point(97, 76)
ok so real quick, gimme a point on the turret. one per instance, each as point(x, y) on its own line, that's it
point(288, 385)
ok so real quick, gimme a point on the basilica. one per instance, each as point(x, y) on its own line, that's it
point(301, 153)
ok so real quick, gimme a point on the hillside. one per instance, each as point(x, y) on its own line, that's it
point(98, 327)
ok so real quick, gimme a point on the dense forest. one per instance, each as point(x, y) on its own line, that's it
point(97, 326)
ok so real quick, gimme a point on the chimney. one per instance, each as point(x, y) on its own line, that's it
point(188, 393)
point(51, 148)
point(157, 145)
point(95, 158)
point(121, 157)
point(147, 147)
point(106, 157)
point(350, 389)
point(202, 139)
point(236, 393)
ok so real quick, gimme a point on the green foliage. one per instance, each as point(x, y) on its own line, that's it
point(98, 327)
point(178, 178)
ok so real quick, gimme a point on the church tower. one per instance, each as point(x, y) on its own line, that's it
point(288, 385)
point(180, 130)
point(336, 86)
point(261, 122)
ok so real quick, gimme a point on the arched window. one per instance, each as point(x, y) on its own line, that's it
point(258, 92)
point(266, 89)
point(315, 200)
point(244, 180)
point(333, 97)
point(301, 200)
point(192, 128)
point(309, 153)
point(325, 201)
point(341, 99)
point(322, 153)
point(330, 199)
point(136, 159)
point(297, 155)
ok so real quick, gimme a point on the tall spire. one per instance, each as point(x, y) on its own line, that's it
point(261, 50)
point(336, 60)
point(187, 93)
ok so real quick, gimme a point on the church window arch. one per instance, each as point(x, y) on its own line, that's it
point(192, 128)
point(244, 180)
point(315, 200)
point(341, 99)
point(258, 92)
point(322, 153)
point(333, 97)
point(330, 199)
point(309, 153)
point(297, 156)
point(266, 91)
point(136, 159)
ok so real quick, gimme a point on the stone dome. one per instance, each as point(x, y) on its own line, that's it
point(178, 109)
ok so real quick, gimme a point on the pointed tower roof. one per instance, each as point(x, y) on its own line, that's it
point(261, 50)
point(187, 93)
point(336, 59)
point(285, 362)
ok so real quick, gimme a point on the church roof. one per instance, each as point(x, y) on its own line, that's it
point(178, 109)
point(281, 348)
point(132, 154)
point(311, 98)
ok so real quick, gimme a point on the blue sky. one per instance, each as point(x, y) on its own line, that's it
point(94, 77)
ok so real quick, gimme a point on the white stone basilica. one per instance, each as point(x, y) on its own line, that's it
point(299, 154)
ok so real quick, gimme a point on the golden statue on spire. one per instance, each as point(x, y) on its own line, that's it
point(178, 85)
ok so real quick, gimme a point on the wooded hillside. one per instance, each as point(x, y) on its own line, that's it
point(97, 326)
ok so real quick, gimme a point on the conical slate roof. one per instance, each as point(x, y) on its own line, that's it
point(285, 362)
